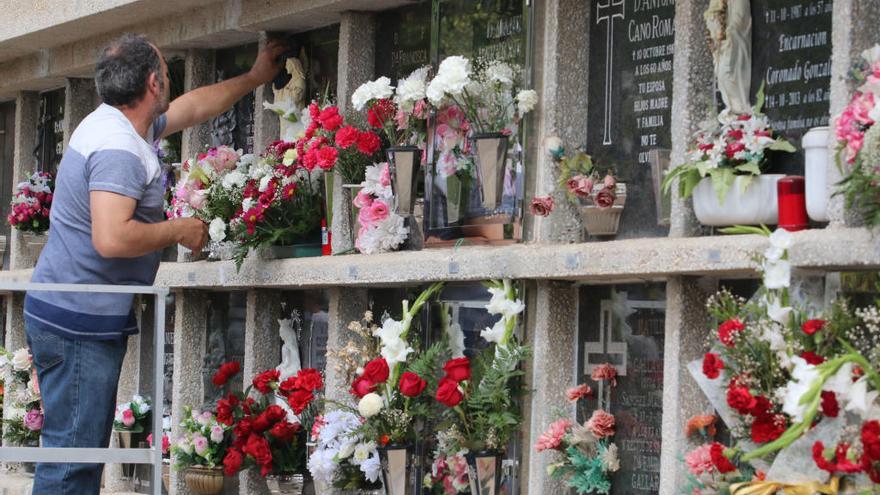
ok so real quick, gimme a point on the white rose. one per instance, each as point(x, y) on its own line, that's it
point(21, 360)
point(526, 101)
point(370, 405)
point(217, 229)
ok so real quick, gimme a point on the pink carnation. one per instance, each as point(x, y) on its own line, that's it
point(552, 438)
point(582, 391)
point(699, 460)
point(603, 372)
point(601, 424)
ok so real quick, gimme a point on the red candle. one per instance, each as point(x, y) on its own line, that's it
point(792, 203)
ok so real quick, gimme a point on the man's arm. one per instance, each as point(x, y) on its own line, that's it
point(205, 103)
point(115, 234)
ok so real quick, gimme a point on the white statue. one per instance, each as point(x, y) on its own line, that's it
point(290, 360)
point(730, 39)
point(292, 96)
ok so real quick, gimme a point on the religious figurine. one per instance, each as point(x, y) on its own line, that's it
point(290, 360)
point(292, 95)
point(729, 23)
point(223, 125)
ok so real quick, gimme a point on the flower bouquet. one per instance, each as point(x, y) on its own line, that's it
point(403, 119)
point(480, 413)
point(455, 162)
point(200, 449)
point(859, 139)
point(489, 94)
point(600, 199)
point(343, 458)
point(32, 203)
point(587, 455)
point(132, 416)
point(788, 384)
point(23, 393)
point(381, 228)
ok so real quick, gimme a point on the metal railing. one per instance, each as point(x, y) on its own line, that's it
point(151, 455)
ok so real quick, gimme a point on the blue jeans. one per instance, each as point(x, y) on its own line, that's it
point(78, 380)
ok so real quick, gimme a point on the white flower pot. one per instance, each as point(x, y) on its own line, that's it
point(816, 159)
point(755, 206)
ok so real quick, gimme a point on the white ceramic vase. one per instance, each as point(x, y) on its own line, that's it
point(816, 159)
point(756, 205)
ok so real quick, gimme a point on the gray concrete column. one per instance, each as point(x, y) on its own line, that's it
point(686, 327)
point(550, 372)
point(693, 89)
point(266, 125)
point(854, 29)
point(15, 336)
point(190, 333)
point(27, 111)
point(357, 32)
point(80, 99)
point(561, 59)
point(346, 305)
point(262, 351)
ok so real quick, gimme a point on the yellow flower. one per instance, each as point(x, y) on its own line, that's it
point(289, 156)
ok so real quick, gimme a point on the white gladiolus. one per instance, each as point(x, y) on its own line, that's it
point(395, 351)
point(802, 377)
point(217, 230)
point(370, 405)
point(496, 333)
point(777, 275)
point(859, 399)
point(781, 238)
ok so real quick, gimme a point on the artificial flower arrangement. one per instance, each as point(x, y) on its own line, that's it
point(401, 112)
point(734, 145)
point(859, 139)
point(23, 393)
point(32, 203)
point(587, 456)
point(203, 440)
point(381, 228)
point(343, 457)
point(582, 181)
point(133, 415)
point(479, 412)
point(264, 434)
point(790, 384)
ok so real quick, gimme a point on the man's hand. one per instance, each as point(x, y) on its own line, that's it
point(190, 233)
point(267, 65)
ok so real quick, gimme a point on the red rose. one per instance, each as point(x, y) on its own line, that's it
point(812, 358)
point(376, 370)
point(458, 369)
point(309, 379)
point(226, 371)
point(232, 462)
point(368, 143)
point(830, 407)
point(740, 399)
point(411, 385)
point(768, 427)
point(871, 439)
point(330, 118)
point(347, 137)
point(299, 400)
point(284, 430)
point(721, 463)
point(812, 326)
point(728, 331)
point(605, 198)
point(361, 387)
point(258, 447)
point(712, 365)
point(263, 382)
point(448, 392)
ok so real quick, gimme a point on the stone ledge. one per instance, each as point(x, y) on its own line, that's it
point(600, 262)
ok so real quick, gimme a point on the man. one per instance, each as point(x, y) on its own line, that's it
point(107, 228)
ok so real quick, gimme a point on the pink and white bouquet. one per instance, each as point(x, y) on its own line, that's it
point(859, 139)
point(451, 142)
point(22, 391)
point(203, 440)
point(381, 228)
point(735, 145)
point(133, 415)
point(402, 112)
point(32, 203)
point(342, 457)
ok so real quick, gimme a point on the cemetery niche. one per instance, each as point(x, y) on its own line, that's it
point(235, 127)
point(50, 131)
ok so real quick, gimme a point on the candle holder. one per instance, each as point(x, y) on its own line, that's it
point(791, 193)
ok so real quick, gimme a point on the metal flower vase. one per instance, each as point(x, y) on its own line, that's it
point(484, 472)
point(397, 472)
point(405, 163)
point(352, 190)
point(490, 154)
point(458, 191)
point(285, 484)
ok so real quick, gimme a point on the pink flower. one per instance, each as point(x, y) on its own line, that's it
point(128, 418)
point(580, 185)
point(541, 206)
point(582, 391)
point(33, 420)
point(699, 460)
point(552, 438)
point(420, 111)
point(385, 176)
point(363, 199)
point(200, 444)
point(605, 371)
point(402, 119)
point(374, 213)
point(166, 443)
point(610, 182)
point(452, 116)
point(601, 424)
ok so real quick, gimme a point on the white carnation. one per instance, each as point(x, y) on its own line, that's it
point(217, 230)
point(526, 100)
point(21, 360)
point(412, 89)
point(452, 77)
point(374, 90)
point(500, 73)
point(370, 405)
point(234, 179)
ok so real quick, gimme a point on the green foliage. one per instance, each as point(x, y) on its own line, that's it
point(16, 433)
point(587, 475)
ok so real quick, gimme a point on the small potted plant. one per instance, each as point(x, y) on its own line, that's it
point(30, 208)
point(200, 450)
point(600, 199)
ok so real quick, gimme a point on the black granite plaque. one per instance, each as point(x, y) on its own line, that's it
point(791, 55)
point(405, 43)
point(484, 29)
point(235, 127)
point(630, 101)
point(625, 326)
point(50, 131)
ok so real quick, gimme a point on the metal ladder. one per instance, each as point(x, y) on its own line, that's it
point(151, 455)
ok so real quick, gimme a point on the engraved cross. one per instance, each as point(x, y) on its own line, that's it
point(608, 11)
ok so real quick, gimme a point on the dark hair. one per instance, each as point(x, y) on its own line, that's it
point(124, 67)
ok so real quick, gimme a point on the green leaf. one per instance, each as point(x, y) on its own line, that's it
point(759, 98)
point(744, 182)
point(751, 167)
point(782, 145)
point(704, 167)
point(746, 229)
point(688, 183)
point(722, 179)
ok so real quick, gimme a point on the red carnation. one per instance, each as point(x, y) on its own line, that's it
point(361, 386)
point(712, 365)
point(232, 462)
point(243, 429)
point(411, 385)
point(284, 430)
point(458, 369)
point(812, 358)
point(830, 407)
point(288, 386)
point(327, 157)
point(263, 382)
point(347, 137)
point(368, 143)
point(330, 118)
point(226, 371)
point(382, 111)
point(740, 399)
point(812, 326)
point(728, 331)
point(762, 406)
point(258, 447)
point(314, 111)
point(871, 439)
point(819, 458)
point(448, 392)
point(299, 400)
point(768, 427)
point(376, 370)
point(309, 379)
point(721, 463)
